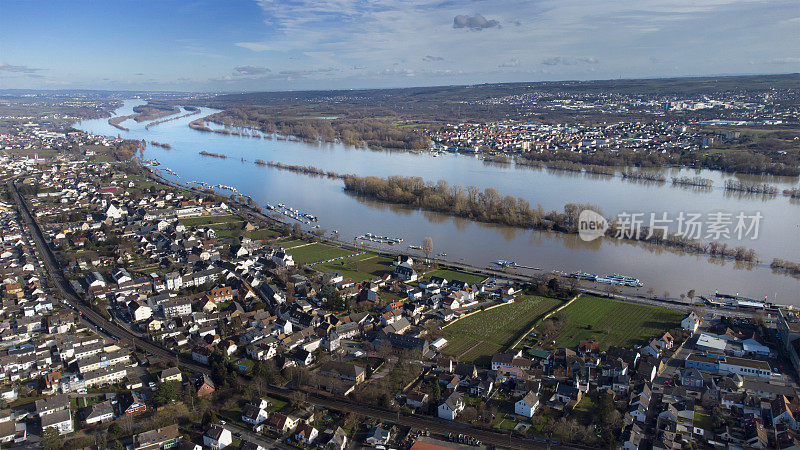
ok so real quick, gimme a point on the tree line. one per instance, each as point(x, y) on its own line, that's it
point(742, 161)
point(750, 187)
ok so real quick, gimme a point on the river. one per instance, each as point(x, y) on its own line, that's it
point(660, 269)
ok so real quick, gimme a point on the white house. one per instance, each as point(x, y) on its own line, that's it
point(254, 414)
point(140, 311)
point(60, 420)
point(306, 434)
point(691, 322)
point(452, 405)
point(217, 437)
point(527, 405)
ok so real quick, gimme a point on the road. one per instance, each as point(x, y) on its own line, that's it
point(338, 404)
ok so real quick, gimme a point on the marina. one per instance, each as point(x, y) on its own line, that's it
point(292, 213)
point(379, 239)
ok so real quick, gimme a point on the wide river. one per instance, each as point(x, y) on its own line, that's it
point(660, 269)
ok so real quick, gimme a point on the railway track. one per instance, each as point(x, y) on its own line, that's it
point(339, 404)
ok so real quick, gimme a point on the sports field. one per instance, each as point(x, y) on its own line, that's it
point(611, 322)
point(477, 337)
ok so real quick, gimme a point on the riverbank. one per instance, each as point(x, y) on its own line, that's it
point(478, 243)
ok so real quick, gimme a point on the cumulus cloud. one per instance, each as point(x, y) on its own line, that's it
point(430, 58)
point(250, 70)
point(567, 61)
point(513, 62)
point(6, 67)
point(476, 22)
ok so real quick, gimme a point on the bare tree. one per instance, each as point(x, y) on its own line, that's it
point(427, 246)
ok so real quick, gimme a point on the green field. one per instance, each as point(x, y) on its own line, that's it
point(359, 267)
point(206, 220)
point(611, 322)
point(317, 252)
point(477, 337)
point(289, 243)
point(262, 233)
point(450, 275)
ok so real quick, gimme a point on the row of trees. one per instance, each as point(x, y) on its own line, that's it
point(750, 187)
point(307, 170)
point(640, 175)
point(570, 166)
point(692, 181)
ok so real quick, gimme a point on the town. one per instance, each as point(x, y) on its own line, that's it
point(142, 314)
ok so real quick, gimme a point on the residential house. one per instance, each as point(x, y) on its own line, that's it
point(159, 438)
point(217, 437)
point(61, 420)
point(691, 322)
point(451, 406)
point(527, 405)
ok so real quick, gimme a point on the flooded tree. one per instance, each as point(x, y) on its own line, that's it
point(427, 246)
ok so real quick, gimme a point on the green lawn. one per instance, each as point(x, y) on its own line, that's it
point(261, 234)
point(358, 267)
point(317, 252)
point(289, 243)
point(477, 337)
point(584, 410)
point(611, 322)
point(205, 220)
point(450, 275)
point(277, 405)
point(702, 420)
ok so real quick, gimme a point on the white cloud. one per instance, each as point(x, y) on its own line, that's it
point(785, 60)
point(250, 70)
point(476, 22)
point(554, 36)
point(513, 62)
point(6, 67)
point(567, 61)
point(254, 46)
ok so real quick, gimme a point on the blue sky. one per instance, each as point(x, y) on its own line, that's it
point(237, 45)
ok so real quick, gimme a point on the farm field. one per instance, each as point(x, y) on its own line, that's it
point(359, 267)
point(312, 253)
point(477, 337)
point(611, 322)
point(450, 275)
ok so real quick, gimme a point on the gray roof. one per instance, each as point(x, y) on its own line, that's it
point(56, 417)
